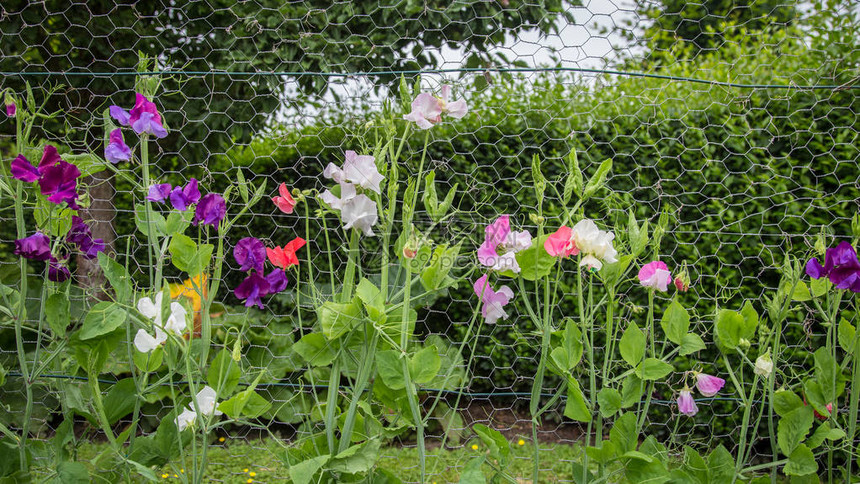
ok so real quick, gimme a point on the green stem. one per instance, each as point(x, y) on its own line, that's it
point(744, 428)
point(22, 309)
point(365, 370)
point(650, 390)
point(853, 406)
point(349, 275)
point(144, 163)
point(331, 404)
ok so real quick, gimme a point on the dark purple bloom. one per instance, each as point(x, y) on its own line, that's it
point(159, 192)
point(277, 281)
point(250, 253)
point(252, 289)
point(11, 109)
point(840, 266)
point(59, 182)
point(81, 236)
point(120, 115)
point(57, 270)
point(36, 247)
point(117, 150)
point(181, 198)
point(144, 117)
point(211, 210)
point(23, 170)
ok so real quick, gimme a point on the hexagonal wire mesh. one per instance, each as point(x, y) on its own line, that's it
point(738, 118)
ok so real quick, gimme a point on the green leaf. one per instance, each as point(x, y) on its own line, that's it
point(246, 403)
point(573, 183)
point(498, 445)
point(817, 437)
point(424, 365)
point(187, 256)
point(793, 427)
point(632, 345)
point(390, 369)
point(370, 295)
point(598, 179)
point(69, 472)
point(57, 313)
point(338, 318)
point(801, 292)
point(535, 262)
point(150, 361)
point(572, 343)
point(576, 407)
point(242, 185)
point(632, 389)
point(601, 455)
point(102, 319)
point(156, 221)
point(431, 202)
point(846, 336)
point(304, 472)
point(120, 400)
point(314, 349)
point(610, 402)
point(691, 343)
point(786, 401)
point(828, 375)
point(695, 466)
point(435, 274)
point(721, 465)
point(87, 163)
point(117, 276)
point(223, 374)
point(732, 326)
point(356, 459)
point(177, 222)
point(653, 369)
point(675, 322)
point(623, 433)
point(472, 472)
point(801, 462)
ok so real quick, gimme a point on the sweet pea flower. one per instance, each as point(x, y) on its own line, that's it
point(81, 235)
point(35, 247)
point(501, 244)
point(117, 150)
point(11, 107)
point(206, 401)
point(144, 342)
point(655, 275)
point(561, 243)
point(277, 280)
point(143, 117)
point(285, 256)
point(58, 179)
point(211, 210)
point(763, 365)
point(493, 301)
point(57, 270)
point(250, 253)
point(360, 212)
point(709, 385)
point(185, 419)
point(252, 290)
point(357, 169)
point(159, 192)
point(284, 202)
point(181, 198)
point(152, 309)
point(840, 266)
point(686, 404)
point(428, 109)
point(596, 244)
point(682, 280)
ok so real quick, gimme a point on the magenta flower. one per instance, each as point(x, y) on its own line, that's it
point(35, 247)
point(501, 244)
point(57, 270)
point(840, 266)
point(81, 236)
point(211, 210)
point(427, 109)
point(250, 253)
point(11, 109)
point(686, 404)
point(493, 301)
point(561, 243)
point(709, 385)
point(58, 179)
point(159, 192)
point(23, 170)
point(655, 275)
point(277, 281)
point(117, 150)
point(181, 198)
point(252, 290)
point(143, 117)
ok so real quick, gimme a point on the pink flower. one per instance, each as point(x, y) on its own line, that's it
point(284, 202)
point(427, 109)
point(493, 301)
point(709, 385)
point(561, 243)
point(501, 244)
point(655, 275)
point(686, 404)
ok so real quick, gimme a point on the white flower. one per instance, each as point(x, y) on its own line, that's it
point(358, 169)
point(591, 262)
point(145, 343)
point(206, 402)
point(427, 109)
point(347, 193)
point(763, 365)
point(152, 310)
point(186, 418)
point(176, 322)
point(596, 244)
point(360, 212)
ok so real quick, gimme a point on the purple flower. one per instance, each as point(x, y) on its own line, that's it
point(117, 150)
point(57, 270)
point(159, 192)
point(36, 247)
point(211, 210)
point(120, 115)
point(81, 236)
point(11, 109)
point(250, 254)
point(60, 182)
point(252, 289)
point(277, 281)
point(493, 301)
point(709, 385)
point(840, 266)
point(686, 404)
point(501, 244)
point(181, 198)
point(143, 117)
point(23, 170)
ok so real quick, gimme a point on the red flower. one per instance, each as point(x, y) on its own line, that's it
point(284, 202)
point(284, 257)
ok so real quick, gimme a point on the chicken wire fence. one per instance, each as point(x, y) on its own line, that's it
point(738, 119)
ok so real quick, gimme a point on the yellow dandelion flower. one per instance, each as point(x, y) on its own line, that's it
point(521, 442)
point(182, 471)
point(252, 474)
point(245, 470)
point(165, 476)
point(474, 446)
point(249, 481)
point(221, 439)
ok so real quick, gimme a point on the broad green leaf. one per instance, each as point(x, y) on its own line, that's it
point(177, 222)
point(314, 348)
point(338, 318)
point(610, 401)
point(632, 389)
point(356, 459)
point(57, 313)
point(601, 455)
point(801, 462)
point(817, 437)
point(846, 336)
point(69, 472)
point(691, 343)
point(675, 322)
point(572, 343)
point(786, 401)
point(369, 295)
point(472, 473)
point(801, 292)
point(828, 375)
point(731, 327)
point(597, 180)
point(187, 256)
point(653, 369)
point(576, 408)
point(792, 429)
point(150, 361)
point(120, 400)
point(424, 365)
point(304, 472)
point(247, 403)
point(535, 262)
point(102, 319)
point(632, 345)
point(721, 465)
point(117, 276)
point(623, 433)
point(500, 448)
point(156, 221)
point(695, 466)
point(224, 374)
point(635, 454)
point(390, 369)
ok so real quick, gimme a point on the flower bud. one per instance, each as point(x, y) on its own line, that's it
point(536, 219)
point(744, 344)
point(11, 107)
point(237, 350)
point(686, 404)
point(682, 280)
point(763, 365)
